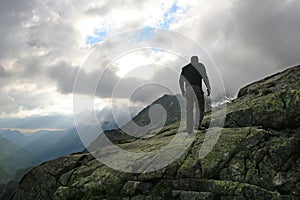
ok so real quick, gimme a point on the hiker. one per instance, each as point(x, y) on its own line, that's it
point(191, 87)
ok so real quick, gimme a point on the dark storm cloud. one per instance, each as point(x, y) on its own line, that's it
point(102, 83)
point(252, 39)
point(64, 74)
point(271, 27)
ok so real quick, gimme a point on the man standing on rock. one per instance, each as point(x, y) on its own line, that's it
point(191, 87)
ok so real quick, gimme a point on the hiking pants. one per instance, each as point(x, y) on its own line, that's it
point(194, 98)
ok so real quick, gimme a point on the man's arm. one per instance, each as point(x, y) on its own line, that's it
point(181, 83)
point(205, 79)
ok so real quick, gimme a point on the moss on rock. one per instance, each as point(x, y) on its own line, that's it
point(256, 156)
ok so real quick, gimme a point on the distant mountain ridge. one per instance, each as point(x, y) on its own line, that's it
point(13, 159)
point(46, 145)
point(19, 153)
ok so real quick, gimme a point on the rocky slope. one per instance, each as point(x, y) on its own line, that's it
point(13, 159)
point(256, 157)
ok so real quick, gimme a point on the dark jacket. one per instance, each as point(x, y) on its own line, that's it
point(192, 74)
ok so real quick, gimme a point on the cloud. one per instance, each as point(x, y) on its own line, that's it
point(105, 8)
point(103, 83)
point(3, 72)
point(118, 114)
point(272, 28)
point(168, 16)
point(64, 74)
point(264, 39)
point(33, 36)
point(43, 44)
point(248, 40)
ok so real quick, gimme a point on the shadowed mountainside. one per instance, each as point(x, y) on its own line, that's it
point(46, 145)
point(256, 157)
point(13, 159)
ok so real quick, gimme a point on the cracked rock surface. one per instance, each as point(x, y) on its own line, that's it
point(256, 157)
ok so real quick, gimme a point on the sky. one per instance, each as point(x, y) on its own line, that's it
point(45, 44)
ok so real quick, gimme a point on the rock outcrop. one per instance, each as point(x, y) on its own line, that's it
point(256, 157)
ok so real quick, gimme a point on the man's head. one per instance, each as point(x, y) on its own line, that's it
point(194, 59)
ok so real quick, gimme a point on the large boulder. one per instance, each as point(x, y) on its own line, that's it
point(273, 102)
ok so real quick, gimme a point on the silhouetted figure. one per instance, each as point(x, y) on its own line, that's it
point(191, 87)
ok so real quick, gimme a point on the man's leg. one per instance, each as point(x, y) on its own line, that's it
point(189, 110)
point(200, 98)
point(197, 115)
point(199, 107)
